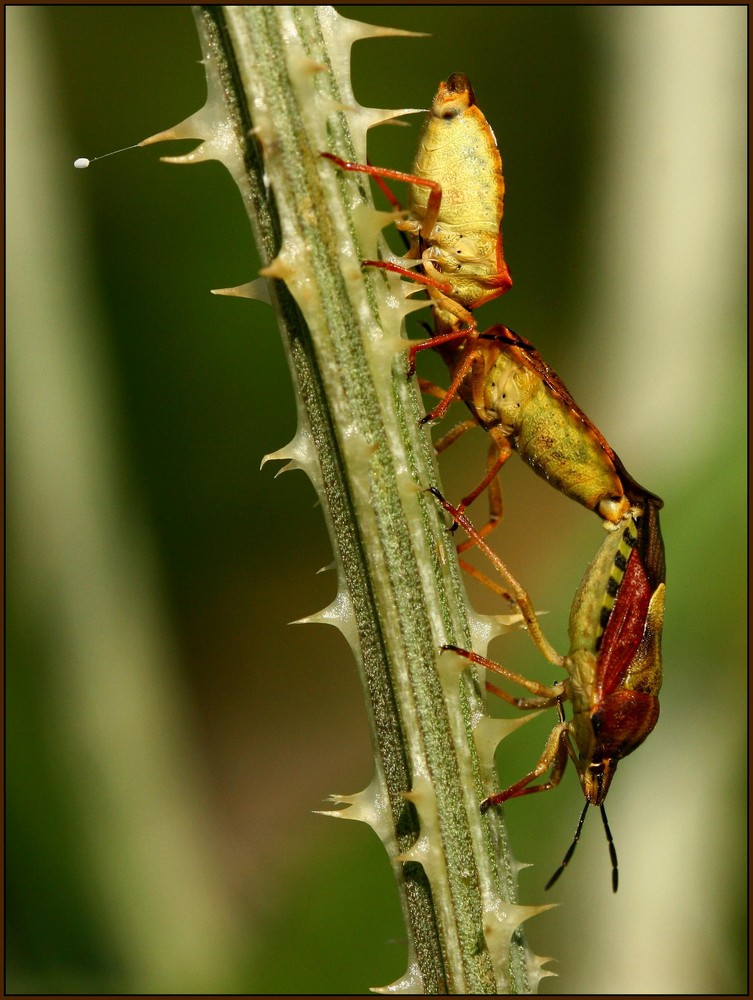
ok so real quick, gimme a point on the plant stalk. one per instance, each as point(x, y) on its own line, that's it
point(280, 95)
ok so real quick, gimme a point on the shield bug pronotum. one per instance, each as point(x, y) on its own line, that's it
point(613, 667)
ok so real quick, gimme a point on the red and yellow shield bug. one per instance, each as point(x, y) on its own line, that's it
point(614, 669)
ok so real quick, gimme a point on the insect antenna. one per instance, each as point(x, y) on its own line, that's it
point(612, 849)
point(571, 850)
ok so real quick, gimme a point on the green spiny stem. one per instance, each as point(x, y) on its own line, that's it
point(278, 81)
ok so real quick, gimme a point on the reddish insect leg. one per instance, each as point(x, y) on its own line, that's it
point(471, 362)
point(554, 756)
point(451, 436)
point(433, 342)
point(499, 452)
point(521, 597)
point(435, 189)
point(387, 192)
point(420, 279)
point(548, 696)
point(487, 582)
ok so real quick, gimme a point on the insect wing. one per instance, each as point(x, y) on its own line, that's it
point(650, 542)
point(625, 627)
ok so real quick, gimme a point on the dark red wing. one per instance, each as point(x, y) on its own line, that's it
point(625, 628)
point(650, 543)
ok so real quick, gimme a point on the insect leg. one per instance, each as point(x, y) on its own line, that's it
point(495, 461)
point(432, 343)
point(487, 582)
point(549, 695)
point(435, 188)
point(554, 756)
point(521, 596)
point(447, 303)
point(451, 436)
point(388, 194)
point(499, 451)
point(420, 279)
point(471, 360)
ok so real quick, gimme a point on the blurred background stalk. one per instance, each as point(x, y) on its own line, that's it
point(100, 726)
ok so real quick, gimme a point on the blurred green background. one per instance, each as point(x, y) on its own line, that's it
point(168, 735)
